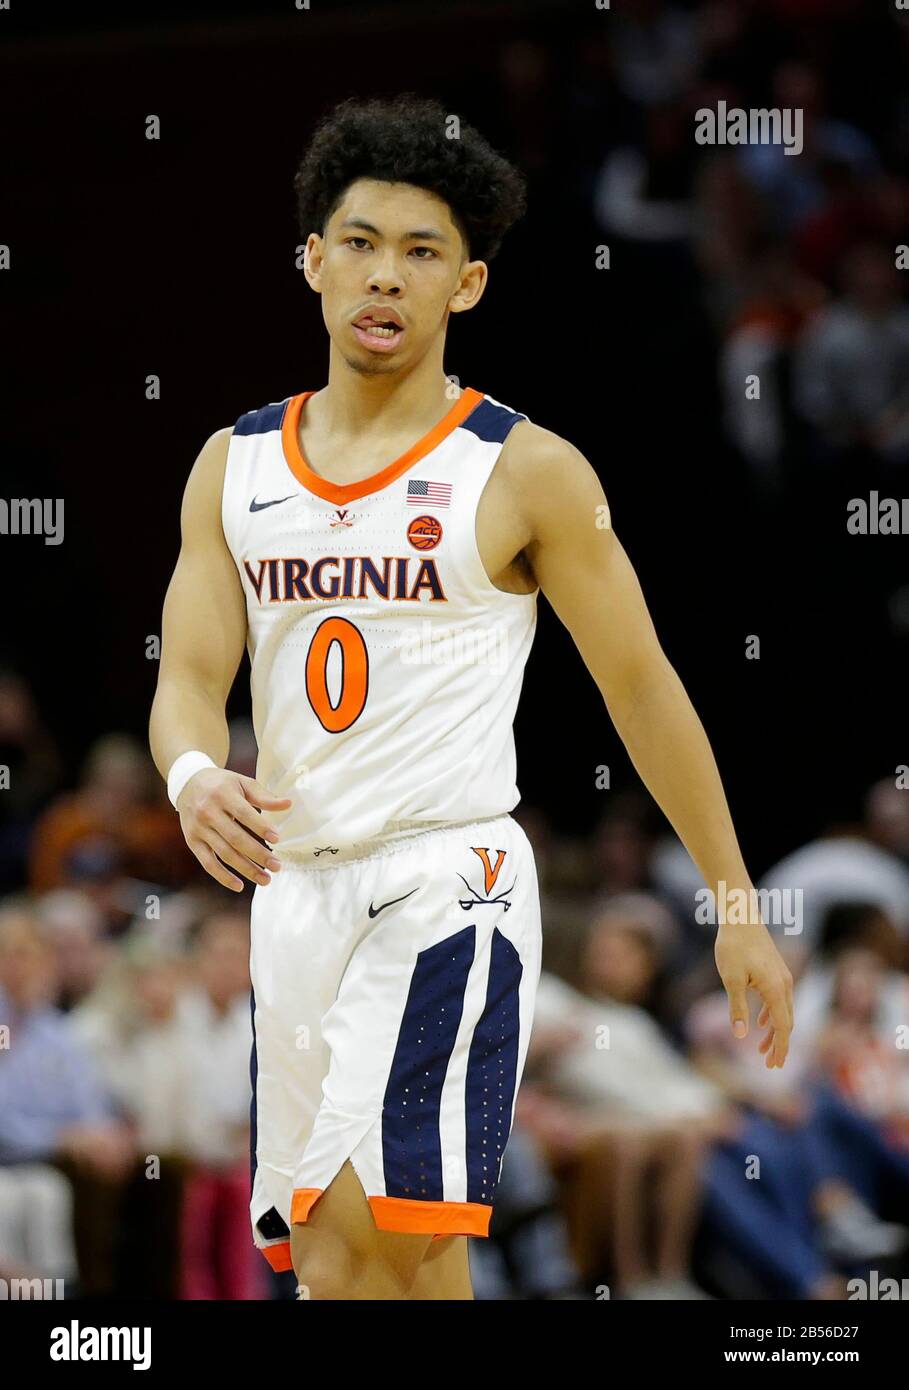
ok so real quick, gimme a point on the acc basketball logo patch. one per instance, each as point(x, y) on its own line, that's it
point(491, 869)
point(424, 532)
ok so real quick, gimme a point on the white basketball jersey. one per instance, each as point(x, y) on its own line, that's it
point(386, 668)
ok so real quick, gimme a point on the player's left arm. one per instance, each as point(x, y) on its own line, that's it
point(582, 569)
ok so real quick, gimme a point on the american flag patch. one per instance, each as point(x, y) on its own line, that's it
point(420, 492)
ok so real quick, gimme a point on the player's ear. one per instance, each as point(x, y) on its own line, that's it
point(471, 285)
point(312, 261)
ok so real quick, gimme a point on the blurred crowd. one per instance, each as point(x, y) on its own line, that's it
point(783, 267)
point(653, 1154)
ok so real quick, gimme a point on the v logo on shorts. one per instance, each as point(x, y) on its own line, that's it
point(374, 911)
point(490, 876)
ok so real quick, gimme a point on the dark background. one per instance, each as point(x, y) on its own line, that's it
point(176, 257)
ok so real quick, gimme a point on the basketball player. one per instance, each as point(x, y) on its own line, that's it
point(379, 545)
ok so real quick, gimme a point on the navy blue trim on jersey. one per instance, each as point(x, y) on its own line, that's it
point(491, 423)
point(262, 421)
point(411, 1140)
point(492, 1070)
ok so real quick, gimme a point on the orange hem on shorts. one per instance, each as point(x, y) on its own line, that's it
point(430, 1218)
point(278, 1256)
point(408, 1214)
point(302, 1202)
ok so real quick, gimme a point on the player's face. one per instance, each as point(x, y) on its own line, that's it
point(390, 269)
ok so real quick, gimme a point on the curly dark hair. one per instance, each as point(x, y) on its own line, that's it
point(404, 140)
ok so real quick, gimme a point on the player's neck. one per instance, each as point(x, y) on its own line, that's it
point(354, 403)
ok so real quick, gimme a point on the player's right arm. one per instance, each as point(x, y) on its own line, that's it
point(203, 636)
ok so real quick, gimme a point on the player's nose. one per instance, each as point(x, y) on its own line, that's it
point(384, 284)
point(385, 278)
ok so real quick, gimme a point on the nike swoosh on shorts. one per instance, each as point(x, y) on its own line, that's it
point(374, 911)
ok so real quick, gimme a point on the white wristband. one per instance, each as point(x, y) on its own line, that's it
point(184, 767)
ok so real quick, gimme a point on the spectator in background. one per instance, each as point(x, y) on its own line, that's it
point(171, 1033)
point(74, 926)
point(51, 1098)
point(861, 866)
point(824, 1169)
point(853, 1002)
point(656, 51)
point(731, 229)
point(859, 1047)
point(29, 753)
point(608, 1091)
point(644, 192)
point(851, 371)
point(119, 815)
point(53, 1107)
point(857, 209)
point(131, 1027)
point(527, 1252)
point(36, 1225)
point(620, 847)
point(886, 818)
point(628, 951)
point(777, 301)
point(219, 1260)
point(797, 187)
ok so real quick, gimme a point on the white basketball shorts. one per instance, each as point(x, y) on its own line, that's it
point(393, 996)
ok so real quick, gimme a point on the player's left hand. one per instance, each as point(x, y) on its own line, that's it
point(747, 959)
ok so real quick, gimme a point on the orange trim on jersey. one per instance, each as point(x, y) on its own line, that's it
point(425, 1218)
point(349, 492)
point(278, 1256)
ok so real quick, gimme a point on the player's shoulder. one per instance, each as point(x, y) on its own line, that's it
point(219, 440)
point(544, 466)
point(208, 472)
point(211, 459)
point(538, 447)
point(204, 486)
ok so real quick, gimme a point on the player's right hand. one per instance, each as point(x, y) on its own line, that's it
point(220, 816)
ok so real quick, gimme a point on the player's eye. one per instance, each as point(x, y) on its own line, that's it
point(361, 239)
point(430, 253)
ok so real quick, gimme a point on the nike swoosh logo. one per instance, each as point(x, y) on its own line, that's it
point(255, 506)
point(374, 911)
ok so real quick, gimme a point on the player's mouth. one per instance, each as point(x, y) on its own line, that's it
point(381, 330)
